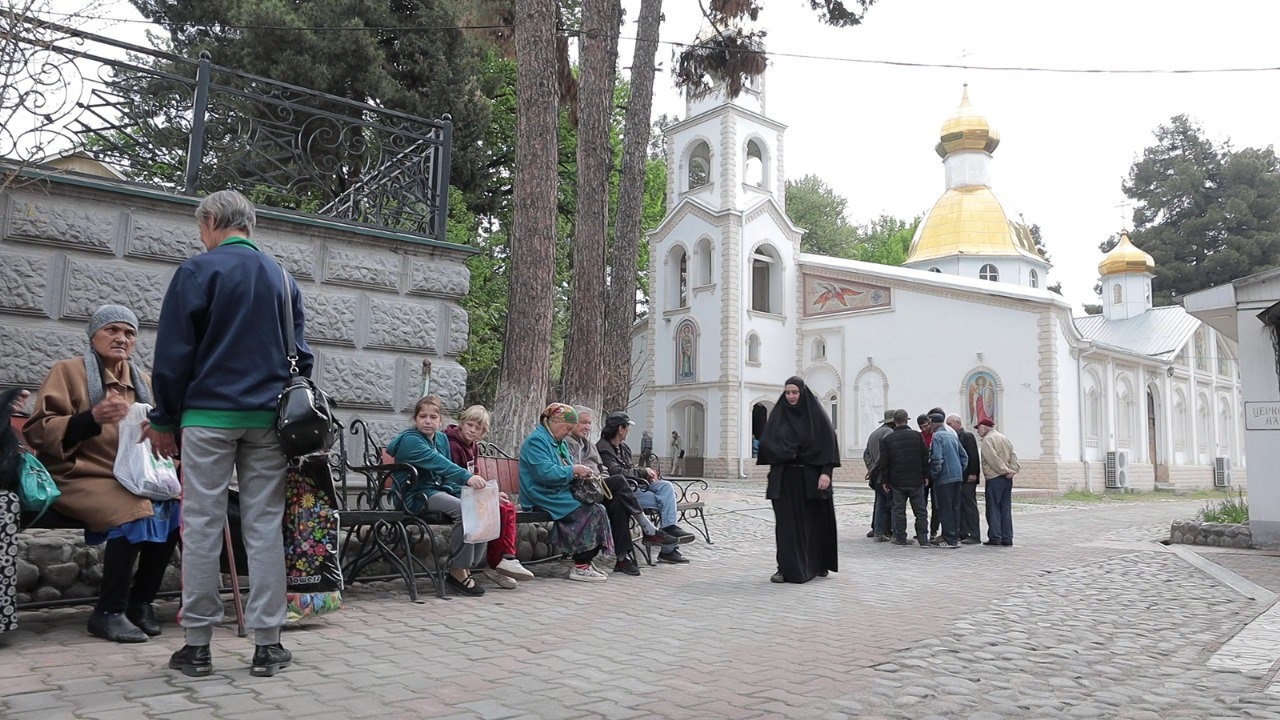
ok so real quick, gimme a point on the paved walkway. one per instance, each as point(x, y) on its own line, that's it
point(1086, 617)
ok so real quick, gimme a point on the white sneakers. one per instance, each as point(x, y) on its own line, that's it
point(586, 574)
point(501, 581)
point(512, 568)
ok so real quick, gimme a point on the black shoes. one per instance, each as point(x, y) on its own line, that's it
point(115, 627)
point(680, 534)
point(992, 542)
point(627, 565)
point(463, 587)
point(777, 577)
point(144, 616)
point(195, 661)
point(901, 541)
point(1006, 543)
point(970, 541)
point(871, 533)
point(672, 558)
point(269, 659)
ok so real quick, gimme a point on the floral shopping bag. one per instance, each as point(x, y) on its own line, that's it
point(313, 574)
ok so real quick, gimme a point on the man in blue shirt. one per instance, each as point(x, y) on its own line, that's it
point(947, 460)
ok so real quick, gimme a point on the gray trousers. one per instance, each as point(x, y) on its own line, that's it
point(465, 555)
point(209, 455)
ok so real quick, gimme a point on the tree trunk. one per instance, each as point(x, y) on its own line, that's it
point(585, 346)
point(526, 352)
point(620, 310)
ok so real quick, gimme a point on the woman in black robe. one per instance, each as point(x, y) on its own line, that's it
point(799, 446)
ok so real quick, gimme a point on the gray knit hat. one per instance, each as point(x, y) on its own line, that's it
point(108, 314)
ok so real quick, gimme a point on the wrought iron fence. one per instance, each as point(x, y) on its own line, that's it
point(194, 127)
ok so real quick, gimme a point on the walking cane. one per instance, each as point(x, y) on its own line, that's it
point(235, 577)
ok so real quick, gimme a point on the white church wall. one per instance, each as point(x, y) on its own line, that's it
point(1069, 409)
point(1261, 384)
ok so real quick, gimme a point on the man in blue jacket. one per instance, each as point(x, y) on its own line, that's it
point(220, 364)
point(947, 460)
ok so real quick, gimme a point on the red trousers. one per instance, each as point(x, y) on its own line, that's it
point(506, 542)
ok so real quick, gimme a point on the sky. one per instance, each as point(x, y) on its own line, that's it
point(1067, 140)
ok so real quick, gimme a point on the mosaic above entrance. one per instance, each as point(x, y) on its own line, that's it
point(830, 296)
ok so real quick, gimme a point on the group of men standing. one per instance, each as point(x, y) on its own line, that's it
point(939, 466)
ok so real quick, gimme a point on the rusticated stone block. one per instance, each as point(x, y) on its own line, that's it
point(331, 317)
point(165, 240)
point(364, 381)
point(60, 576)
point(23, 279)
point(403, 325)
point(29, 353)
point(433, 277)
point(64, 224)
point(362, 268)
point(90, 285)
point(298, 258)
point(449, 381)
point(458, 330)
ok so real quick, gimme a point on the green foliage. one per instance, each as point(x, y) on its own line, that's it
point(1206, 213)
point(886, 240)
point(1232, 509)
point(821, 212)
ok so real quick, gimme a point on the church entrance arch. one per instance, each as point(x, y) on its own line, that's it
point(689, 418)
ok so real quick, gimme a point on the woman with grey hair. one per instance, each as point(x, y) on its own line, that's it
point(74, 430)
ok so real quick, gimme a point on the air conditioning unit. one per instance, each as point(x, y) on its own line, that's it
point(1116, 474)
point(1222, 472)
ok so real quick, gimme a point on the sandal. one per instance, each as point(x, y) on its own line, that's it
point(465, 587)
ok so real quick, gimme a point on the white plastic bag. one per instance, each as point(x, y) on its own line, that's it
point(480, 520)
point(140, 472)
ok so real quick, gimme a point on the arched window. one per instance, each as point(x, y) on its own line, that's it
point(1124, 411)
point(753, 349)
point(699, 165)
point(989, 272)
point(1117, 294)
point(1202, 423)
point(1224, 428)
point(1033, 279)
point(766, 279)
point(833, 408)
point(703, 269)
point(820, 349)
point(678, 279)
point(937, 270)
point(753, 171)
point(1179, 420)
point(1093, 413)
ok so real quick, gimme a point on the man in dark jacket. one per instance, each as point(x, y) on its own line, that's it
point(651, 491)
point(220, 365)
point(902, 468)
point(970, 528)
point(882, 511)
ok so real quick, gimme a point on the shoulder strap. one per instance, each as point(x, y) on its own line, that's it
point(290, 342)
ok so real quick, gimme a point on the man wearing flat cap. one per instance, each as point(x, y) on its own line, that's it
point(947, 460)
point(882, 514)
point(999, 465)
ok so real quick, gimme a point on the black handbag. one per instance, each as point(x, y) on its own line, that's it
point(589, 490)
point(304, 413)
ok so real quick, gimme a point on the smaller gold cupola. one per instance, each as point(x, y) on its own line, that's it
point(966, 129)
point(1126, 257)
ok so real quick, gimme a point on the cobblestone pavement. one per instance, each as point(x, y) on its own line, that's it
point(1086, 617)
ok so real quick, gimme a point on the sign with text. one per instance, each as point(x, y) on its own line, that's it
point(1262, 415)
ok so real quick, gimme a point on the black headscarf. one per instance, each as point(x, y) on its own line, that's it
point(799, 434)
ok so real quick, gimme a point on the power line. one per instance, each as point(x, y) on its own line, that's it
point(673, 43)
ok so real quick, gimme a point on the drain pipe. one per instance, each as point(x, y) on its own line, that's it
point(742, 395)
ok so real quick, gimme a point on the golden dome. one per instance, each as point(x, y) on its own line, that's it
point(1126, 257)
point(966, 130)
point(968, 220)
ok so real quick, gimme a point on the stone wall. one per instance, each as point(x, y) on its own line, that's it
point(1192, 532)
point(378, 303)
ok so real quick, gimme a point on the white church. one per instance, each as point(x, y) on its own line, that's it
point(1139, 396)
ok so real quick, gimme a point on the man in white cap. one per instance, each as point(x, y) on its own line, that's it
point(999, 465)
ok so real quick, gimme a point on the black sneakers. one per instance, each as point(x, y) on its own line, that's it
point(626, 565)
point(195, 661)
point(680, 534)
point(673, 558)
point(268, 659)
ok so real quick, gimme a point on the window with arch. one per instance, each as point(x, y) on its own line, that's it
point(753, 349)
point(833, 409)
point(1124, 411)
point(699, 165)
point(1202, 349)
point(820, 349)
point(937, 270)
point(754, 169)
point(678, 293)
point(1224, 427)
point(1093, 413)
point(766, 279)
point(1179, 420)
point(989, 272)
point(1202, 423)
point(1117, 294)
point(1033, 279)
point(703, 255)
point(1224, 359)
